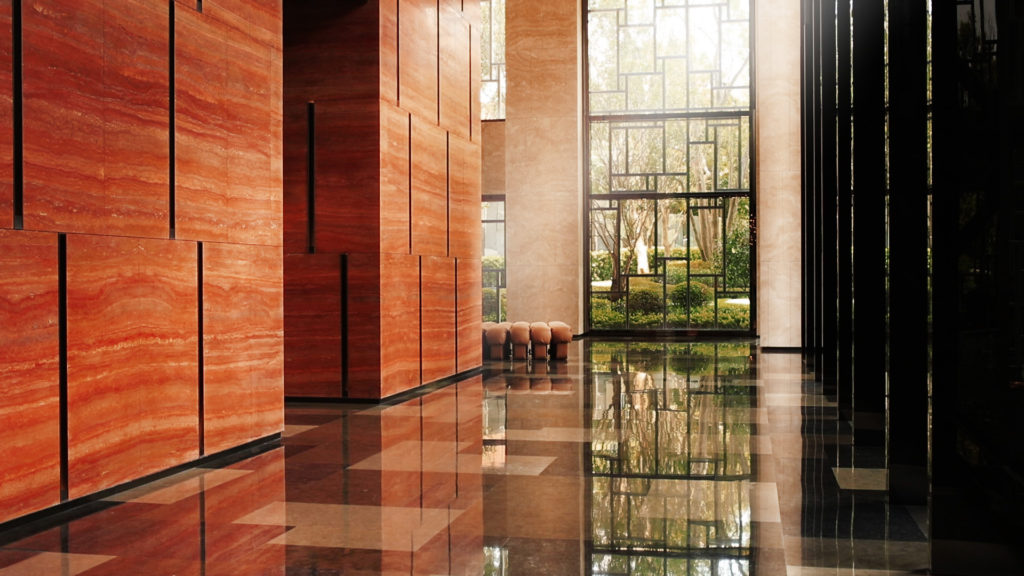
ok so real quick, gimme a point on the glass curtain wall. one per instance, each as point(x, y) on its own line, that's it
point(493, 263)
point(492, 109)
point(670, 183)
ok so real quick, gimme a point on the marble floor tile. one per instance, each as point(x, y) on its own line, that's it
point(515, 465)
point(646, 459)
point(431, 456)
point(178, 487)
point(295, 429)
point(55, 564)
point(341, 526)
point(862, 478)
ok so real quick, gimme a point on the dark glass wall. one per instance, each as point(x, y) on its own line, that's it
point(914, 224)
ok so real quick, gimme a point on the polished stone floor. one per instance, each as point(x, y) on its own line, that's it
point(630, 458)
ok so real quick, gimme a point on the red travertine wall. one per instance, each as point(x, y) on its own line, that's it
point(6, 118)
point(243, 354)
point(141, 296)
point(381, 166)
point(95, 86)
point(30, 403)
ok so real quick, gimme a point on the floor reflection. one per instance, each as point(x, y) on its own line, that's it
point(669, 463)
point(646, 459)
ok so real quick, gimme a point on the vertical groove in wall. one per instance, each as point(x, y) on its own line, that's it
point(200, 351)
point(19, 184)
point(171, 175)
point(410, 185)
point(199, 6)
point(448, 193)
point(311, 177)
point(62, 323)
point(398, 52)
point(456, 321)
point(344, 324)
point(437, 34)
point(470, 60)
point(420, 292)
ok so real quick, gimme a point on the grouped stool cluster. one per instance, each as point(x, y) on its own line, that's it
point(521, 340)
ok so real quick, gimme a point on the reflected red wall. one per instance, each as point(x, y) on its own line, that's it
point(142, 261)
point(381, 165)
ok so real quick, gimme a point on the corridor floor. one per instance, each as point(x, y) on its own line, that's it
point(648, 459)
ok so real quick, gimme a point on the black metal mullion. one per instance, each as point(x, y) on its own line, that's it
point(869, 217)
point(908, 253)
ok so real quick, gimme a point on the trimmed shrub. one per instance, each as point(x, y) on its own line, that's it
point(691, 295)
point(646, 301)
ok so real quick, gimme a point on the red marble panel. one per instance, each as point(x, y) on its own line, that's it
point(296, 176)
point(399, 323)
point(454, 71)
point(417, 57)
point(470, 308)
point(259, 18)
point(312, 325)
point(471, 12)
point(6, 119)
point(438, 317)
point(476, 131)
point(348, 175)
point(96, 117)
point(29, 406)
point(243, 344)
point(389, 51)
point(132, 328)
point(336, 50)
point(429, 189)
point(227, 118)
point(394, 179)
point(464, 198)
point(365, 349)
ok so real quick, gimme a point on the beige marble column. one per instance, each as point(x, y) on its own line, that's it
point(777, 121)
point(542, 162)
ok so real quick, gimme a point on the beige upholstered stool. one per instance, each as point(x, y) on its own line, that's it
point(540, 337)
point(497, 340)
point(483, 335)
point(561, 335)
point(520, 335)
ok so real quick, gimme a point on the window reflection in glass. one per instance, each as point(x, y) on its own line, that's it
point(670, 458)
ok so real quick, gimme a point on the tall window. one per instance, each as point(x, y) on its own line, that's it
point(492, 60)
point(669, 189)
point(493, 218)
